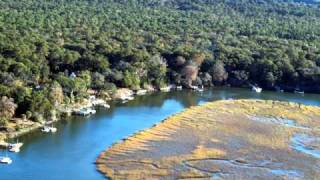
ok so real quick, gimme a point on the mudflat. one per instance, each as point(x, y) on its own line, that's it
point(234, 139)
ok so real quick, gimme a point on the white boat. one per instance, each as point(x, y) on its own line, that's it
point(130, 98)
point(196, 88)
point(179, 87)
point(165, 89)
point(53, 129)
point(298, 91)
point(15, 147)
point(141, 92)
point(85, 111)
point(127, 99)
point(256, 89)
point(97, 102)
point(200, 89)
point(105, 105)
point(5, 160)
point(47, 129)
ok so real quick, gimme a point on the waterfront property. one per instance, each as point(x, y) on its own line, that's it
point(79, 140)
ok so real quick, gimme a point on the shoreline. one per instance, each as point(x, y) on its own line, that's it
point(70, 109)
point(124, 95)
point(190, 137)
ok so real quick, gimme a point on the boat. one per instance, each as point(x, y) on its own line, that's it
point(53, 129)
point(99, 102)
point(165, 89)
point(179, 87)
point(85, 111)
point(5, 160)
point(15, 147)
point(141, 92)
point(298, 91)
point(200, 89)
point(130, 98)
point(256, 89)
point(104, 105)
point(124, 101)
point(47, 129)
point(196, 88)
point(127, 99)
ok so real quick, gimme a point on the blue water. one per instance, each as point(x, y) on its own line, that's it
point(71, 152)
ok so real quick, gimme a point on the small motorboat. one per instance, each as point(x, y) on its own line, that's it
point(5, 160)
point(47, 129)
point(105, 105)
point(179, 88)
point(53, 129)
point(256, 89)
point(85, 111)
point(297, 91)
point(15, 147)
point(141, 92)
point(165, 89)
point(200, 89)
point(196, 88)
point(130, 98)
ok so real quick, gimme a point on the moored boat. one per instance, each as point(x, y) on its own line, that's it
point(15, 147)
point(196, 88)
point(85, 111)
point(5, 160)
point(165, 89)
point(298, 91)
point(141, 92)
point(47, 129)
point(256, 89)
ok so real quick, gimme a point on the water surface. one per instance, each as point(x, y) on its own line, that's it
point(71, 152)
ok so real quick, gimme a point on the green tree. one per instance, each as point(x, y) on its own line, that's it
point(7, 109)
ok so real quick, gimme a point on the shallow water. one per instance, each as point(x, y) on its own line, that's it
point(229, 169)
point(306, 144)
point(71, 152)
point(278, 121)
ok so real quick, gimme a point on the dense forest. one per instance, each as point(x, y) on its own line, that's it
point(52, 50)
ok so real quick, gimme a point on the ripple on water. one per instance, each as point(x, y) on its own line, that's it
point(306, 144)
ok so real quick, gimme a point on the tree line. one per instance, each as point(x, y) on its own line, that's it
point(62, 48)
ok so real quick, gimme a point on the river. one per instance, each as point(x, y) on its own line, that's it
point(70, 153)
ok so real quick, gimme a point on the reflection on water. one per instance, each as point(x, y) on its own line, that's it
point(70, 153)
